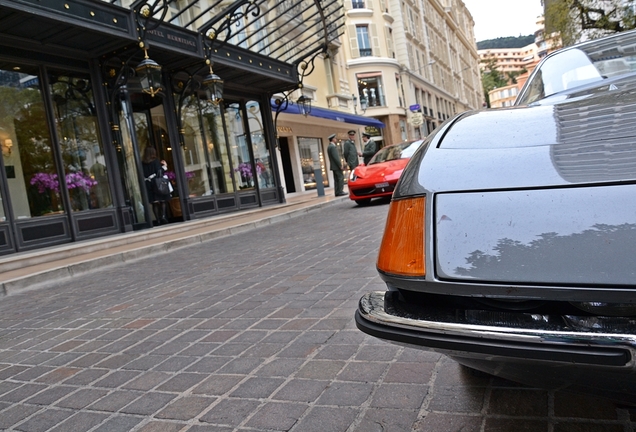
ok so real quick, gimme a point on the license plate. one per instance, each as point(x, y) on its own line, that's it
point(382, 185)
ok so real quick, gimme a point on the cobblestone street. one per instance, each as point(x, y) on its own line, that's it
point(251, 332)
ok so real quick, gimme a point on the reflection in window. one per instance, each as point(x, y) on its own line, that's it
point(32, 178)
point(197, 163)
point(219, 158)
point(311, 157)
point(262, 161)
point(127, 164)
point(82, 151)
point(239, 150)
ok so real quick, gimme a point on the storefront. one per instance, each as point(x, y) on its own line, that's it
point(77, 114)
point(303, 143)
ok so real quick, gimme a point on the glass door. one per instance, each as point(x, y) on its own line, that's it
point(239, 146)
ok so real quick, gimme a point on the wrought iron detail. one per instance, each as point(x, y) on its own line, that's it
point(305, 68)
point(223, 23)
point(148, 16)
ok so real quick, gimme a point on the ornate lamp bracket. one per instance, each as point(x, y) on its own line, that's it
point(305, 68)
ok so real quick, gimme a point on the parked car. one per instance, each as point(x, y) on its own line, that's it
point(510, 241)
point(379, 177)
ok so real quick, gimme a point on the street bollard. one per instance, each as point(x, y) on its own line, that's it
point(320, 187)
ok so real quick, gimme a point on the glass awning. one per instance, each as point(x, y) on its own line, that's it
point(288, 31)
point(259, 44)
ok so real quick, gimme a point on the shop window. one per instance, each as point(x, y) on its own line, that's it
point(262, 160)
point(364, 44)
point(311, 157)
point(217, 151)
point(202, 177)
point(239, 149)
point(32, 178)
point(370, 86)
point(81, 149)
point(127, 162)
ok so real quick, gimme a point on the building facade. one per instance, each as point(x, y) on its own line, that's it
point(520, 61)
point(414, 62)
point(89, 85)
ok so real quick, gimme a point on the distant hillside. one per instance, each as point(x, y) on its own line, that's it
point(506, 42)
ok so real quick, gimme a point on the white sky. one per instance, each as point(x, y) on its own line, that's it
point(501, 18)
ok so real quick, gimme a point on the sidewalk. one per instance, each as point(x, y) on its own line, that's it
point(29, 270)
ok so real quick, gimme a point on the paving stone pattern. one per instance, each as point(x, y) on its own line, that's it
point(252, 332)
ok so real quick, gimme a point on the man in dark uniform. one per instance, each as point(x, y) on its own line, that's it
point(370, 148)
point(349, 150)
point(335, 165)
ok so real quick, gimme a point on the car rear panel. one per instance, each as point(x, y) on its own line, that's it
point(575, 235)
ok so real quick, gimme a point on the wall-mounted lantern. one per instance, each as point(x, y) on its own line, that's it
point(7, 146)
point(364, 104)
point(304, 105)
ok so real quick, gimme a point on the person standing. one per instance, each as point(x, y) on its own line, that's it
point(153, 167)
point(370, 148)
point(349, 150)
point(335, 165)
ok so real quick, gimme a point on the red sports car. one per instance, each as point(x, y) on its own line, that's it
point(378, 179)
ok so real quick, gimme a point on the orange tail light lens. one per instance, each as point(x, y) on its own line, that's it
point(402, 249)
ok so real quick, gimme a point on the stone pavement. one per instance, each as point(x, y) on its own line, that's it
point(29, 270)
point(251, 331)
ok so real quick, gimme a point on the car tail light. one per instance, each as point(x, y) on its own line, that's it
point(402, 249)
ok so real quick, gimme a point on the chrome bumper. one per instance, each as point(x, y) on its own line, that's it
point(489, 337)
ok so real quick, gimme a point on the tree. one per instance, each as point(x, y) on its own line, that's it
point(577, 19)
point(506, 42)
point(491, 77)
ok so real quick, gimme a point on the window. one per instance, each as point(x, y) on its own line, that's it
point(364, 44)
point(357, 4)
point(33, 178)
point(218, 156)
point(370, 87)
point(82, 151)
point(239, 149)
point(202, 166)
point(262, 161)
point(311, 158)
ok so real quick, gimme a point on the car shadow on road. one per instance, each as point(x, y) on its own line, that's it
point(374, 202)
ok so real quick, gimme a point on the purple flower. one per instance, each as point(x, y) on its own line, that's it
point(45, 181)
point(244, 169)
point(77, 180)
point(173, 177)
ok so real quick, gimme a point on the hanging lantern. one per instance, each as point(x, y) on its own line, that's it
point(304, 105)
point(149, 73)
point(213, 85)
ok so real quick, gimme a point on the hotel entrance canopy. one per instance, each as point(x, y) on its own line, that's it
point(258, 44)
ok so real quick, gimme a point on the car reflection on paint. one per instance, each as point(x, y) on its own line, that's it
point(510, 241)
point(379, 177)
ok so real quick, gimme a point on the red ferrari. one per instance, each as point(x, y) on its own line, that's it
point(379, 177)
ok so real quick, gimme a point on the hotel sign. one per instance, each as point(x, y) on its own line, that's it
point(175, 38)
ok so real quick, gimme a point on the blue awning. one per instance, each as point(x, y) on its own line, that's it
point(332, 115)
